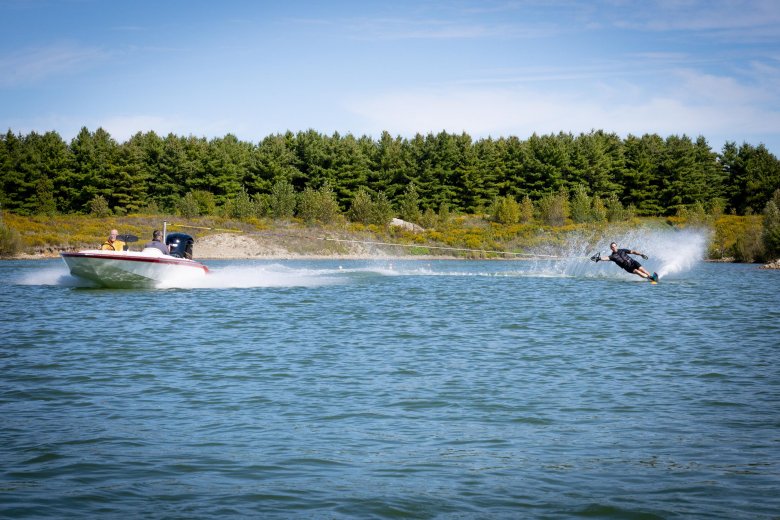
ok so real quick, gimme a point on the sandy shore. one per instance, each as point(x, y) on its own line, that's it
point(228, 246)
point(231, 246)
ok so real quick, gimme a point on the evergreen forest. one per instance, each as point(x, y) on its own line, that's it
point(42, 174)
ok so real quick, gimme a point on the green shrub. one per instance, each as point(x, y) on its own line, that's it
point(749, 247)
point(695, 215)
point(361, 207)
point(409, 207)
point(261, 205)
point(207, 203)
point(505, 210)
point(187, 206)
point(98, 206)
point(717, 207)
point(240, 206)
point(283, 199)
point(44, 196)
point(383, 210)
point(554, 208)
point(728, 231)
point(318, 206)
point(581, 205)
point(429, 219)
point(151, 208)
point(444, 215)
point(771, 227)
point(526, 210)
point(368, 209)
point(10, 240)
point(615, 210)
point(599, 210)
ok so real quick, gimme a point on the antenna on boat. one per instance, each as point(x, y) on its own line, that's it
point(165, 230)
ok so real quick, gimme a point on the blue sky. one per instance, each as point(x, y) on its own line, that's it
point(489, 68)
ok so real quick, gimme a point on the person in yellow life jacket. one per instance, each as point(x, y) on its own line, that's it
point(112, 244)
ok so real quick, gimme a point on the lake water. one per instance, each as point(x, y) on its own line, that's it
point(393, 389)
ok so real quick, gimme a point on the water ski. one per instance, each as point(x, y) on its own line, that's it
point(654, 279)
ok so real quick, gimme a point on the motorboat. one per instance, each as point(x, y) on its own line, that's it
point(147, 268)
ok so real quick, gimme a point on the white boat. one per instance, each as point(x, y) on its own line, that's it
point(148, 268)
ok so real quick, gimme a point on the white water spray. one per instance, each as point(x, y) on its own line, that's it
point(266, 275)
point(52, 276)
point(671, 252)
point(677, 252)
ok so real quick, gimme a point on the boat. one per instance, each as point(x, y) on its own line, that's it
point(138, 269)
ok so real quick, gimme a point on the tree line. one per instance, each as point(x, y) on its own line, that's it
point(651, 175)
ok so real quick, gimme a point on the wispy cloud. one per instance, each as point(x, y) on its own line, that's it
point(751, 18)
point(432, 28)
point(441, 29)
point(691, 103)
point(31, 65)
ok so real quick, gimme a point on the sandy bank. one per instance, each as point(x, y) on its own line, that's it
point(229, 246)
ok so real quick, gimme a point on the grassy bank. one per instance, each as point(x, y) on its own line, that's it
point(731, 237)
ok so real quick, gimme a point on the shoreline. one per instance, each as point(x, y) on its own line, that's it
point(292, 256)
point(229, 246)
point(352, 257)
point(41, 238)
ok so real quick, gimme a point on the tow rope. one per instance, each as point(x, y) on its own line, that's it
point(376, 243)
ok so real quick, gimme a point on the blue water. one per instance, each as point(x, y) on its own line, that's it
point(392, 389)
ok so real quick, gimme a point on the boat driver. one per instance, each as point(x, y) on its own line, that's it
point(157, 242)
point(112, 243)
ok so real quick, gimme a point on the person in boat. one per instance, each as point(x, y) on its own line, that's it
point(112, 243)
point(157, 242)
point(621, 258)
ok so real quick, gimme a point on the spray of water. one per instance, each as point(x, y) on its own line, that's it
point(51, 276)
point(267, 275)
point(677, 252)
point(239, 276)
point(671, 253)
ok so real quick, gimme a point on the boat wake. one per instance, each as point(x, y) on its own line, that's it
point(56, 276)
point(672, 253)
point(229, 277)
point(266, 275)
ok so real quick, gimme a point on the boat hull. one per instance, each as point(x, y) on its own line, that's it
point(129, 269)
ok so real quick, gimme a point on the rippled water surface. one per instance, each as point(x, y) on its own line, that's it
point(414, 389)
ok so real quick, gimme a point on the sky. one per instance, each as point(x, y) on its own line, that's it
point(490, 68)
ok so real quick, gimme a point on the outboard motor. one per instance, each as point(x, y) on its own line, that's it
point(180, 245)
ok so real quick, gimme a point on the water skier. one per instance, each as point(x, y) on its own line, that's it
point(621, 258)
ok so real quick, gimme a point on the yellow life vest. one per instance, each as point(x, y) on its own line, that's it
point(117, 245)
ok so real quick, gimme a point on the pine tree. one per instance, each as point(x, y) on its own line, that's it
point(526, 210)
point(283, 200)
point(361, 208)
point(640, 178)
point(409, 207)
point(94, 157)
point(581, 210)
